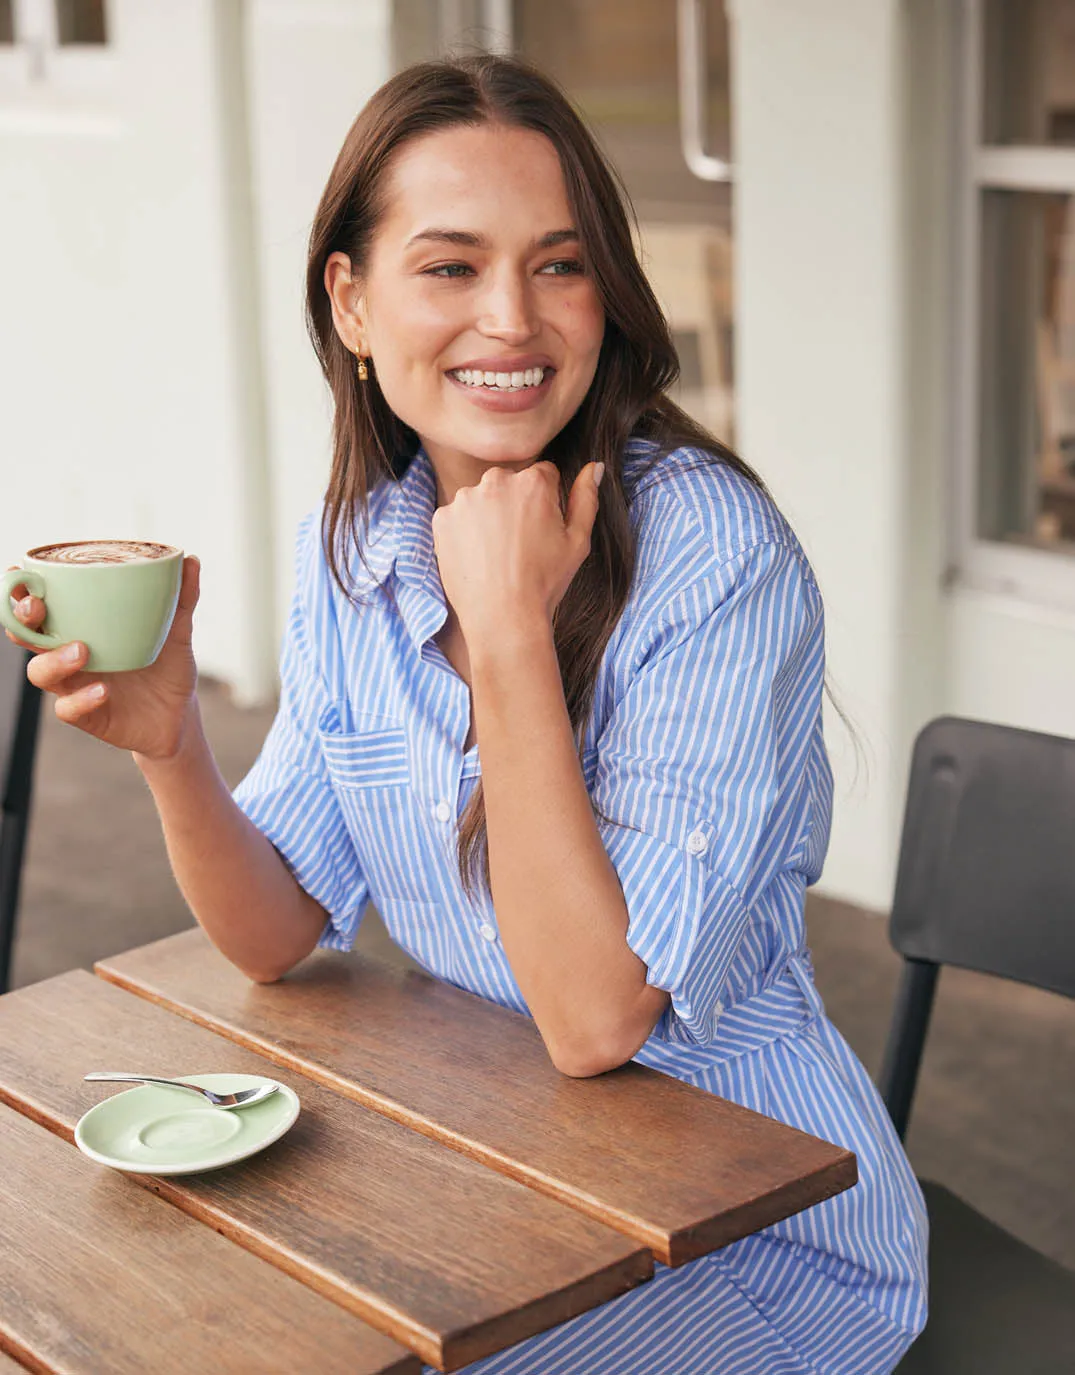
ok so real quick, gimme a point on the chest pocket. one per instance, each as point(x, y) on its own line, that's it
point(371, 759)
point(371, 777)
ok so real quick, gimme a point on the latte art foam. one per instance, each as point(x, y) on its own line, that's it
point(101, 551)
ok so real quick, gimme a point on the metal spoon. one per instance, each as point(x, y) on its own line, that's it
point(243, 1099)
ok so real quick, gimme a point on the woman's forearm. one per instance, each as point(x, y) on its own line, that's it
point(559, 905)
point(233, 880)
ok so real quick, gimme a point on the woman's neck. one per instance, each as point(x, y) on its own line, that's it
point(455, 471)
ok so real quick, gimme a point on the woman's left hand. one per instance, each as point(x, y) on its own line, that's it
point(507, 552)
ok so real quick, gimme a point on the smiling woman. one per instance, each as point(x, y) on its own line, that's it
point(551, 698)
point(458, 296)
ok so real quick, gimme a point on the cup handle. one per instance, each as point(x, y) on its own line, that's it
point(35, 585)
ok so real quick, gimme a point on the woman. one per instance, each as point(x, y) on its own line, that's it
point(527, 548)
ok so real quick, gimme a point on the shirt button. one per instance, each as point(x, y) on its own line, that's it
point(487, 932)
point(442, 812)
point(697, 843)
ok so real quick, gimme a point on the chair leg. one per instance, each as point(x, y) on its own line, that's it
point(12, 844)
point(903, 1053)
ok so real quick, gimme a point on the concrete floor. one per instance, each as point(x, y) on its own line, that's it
point(995, 1113)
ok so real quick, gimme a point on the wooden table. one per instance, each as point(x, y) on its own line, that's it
point(445, 1191)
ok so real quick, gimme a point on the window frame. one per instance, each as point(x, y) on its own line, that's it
point(44, 82)
point(1042, 577)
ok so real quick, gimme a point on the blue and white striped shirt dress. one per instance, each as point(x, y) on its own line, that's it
point(705, 760)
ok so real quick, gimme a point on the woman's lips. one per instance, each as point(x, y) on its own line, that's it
point(494, 399)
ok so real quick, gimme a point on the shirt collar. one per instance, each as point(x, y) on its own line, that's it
point(400, 541)
point(399, 529)
point(416, 502)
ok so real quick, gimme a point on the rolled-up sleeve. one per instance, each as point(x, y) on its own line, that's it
point(702, 767)
point(288, 793)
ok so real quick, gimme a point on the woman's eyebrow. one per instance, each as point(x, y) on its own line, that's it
point(557, 237)
point(466, 238)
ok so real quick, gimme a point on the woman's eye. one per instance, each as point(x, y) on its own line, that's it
point(448, 270)
point(564, 267)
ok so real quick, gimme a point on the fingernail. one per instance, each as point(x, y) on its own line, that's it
point(98, 690)
point(598, 474)
point(72, 654)
point(26, 606)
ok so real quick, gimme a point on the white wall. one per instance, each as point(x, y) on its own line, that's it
point(1011, 662)
point(312, 64)
point(156, 378)
point(126, 387)
point(846, 187)
point(820, 366)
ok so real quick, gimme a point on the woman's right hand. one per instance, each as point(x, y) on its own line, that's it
point(147, 710)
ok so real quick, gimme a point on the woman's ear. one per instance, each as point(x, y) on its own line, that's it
point(348, 303)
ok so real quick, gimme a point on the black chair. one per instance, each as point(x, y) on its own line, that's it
point(20, 707)
point(986, 881)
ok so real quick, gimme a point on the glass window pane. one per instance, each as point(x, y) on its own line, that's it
point(425, 29)
point(1029, 71)
point(619, 64)
point(81, 21)
point(1027, 488)
point(415, 31)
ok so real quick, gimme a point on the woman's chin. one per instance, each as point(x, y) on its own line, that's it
point(503, 450)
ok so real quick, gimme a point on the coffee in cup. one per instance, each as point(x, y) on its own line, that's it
point(101, 551)
point(118, 597)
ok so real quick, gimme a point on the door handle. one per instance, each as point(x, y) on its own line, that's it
point(691, 55)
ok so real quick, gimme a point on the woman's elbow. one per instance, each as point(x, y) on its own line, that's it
point(269, 961)
point(264, 976)
point(265, 968)
point(585, 1062)
point(583, 1052)
point(585, 1056)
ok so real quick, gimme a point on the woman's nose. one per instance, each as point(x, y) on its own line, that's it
point(508, 308)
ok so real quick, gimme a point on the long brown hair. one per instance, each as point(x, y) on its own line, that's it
point(637, 363)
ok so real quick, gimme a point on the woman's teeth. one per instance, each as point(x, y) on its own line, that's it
point(502, 381)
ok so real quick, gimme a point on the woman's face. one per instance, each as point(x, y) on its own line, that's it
point(482, 323)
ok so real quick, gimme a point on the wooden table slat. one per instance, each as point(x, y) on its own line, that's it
point(441, 1254)
point(95, 1275)
point(668, 1164)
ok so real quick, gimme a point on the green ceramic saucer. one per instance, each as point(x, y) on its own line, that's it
point(157, 1130)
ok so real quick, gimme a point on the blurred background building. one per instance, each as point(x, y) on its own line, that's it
point(858, 213)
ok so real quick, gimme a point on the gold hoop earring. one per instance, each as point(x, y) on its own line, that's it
point(363, 371)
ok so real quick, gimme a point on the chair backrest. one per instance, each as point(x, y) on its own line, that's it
point(986, 876)
point(20, 705)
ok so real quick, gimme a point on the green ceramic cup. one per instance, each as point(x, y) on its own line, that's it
point(118, 597)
